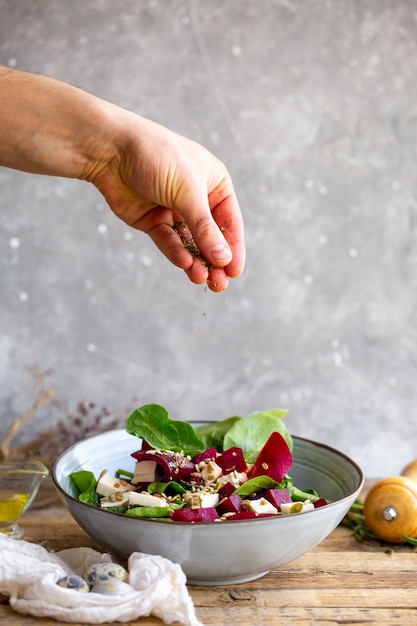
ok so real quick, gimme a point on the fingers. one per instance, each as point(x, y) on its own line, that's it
point(213, 252)
point(217, 279)
point(201, 269)
point(211, 242)
point(228, 217)
point(222, 241)
point(172, 246)
point(217, 228)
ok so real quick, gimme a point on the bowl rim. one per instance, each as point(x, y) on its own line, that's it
point(338, 453)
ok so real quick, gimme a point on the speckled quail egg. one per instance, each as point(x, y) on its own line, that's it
point(74, 582)
point(105, 572)
point(114, 587)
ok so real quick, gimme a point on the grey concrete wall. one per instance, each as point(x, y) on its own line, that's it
point(312, 104)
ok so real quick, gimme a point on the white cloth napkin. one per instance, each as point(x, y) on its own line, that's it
point(29, 573)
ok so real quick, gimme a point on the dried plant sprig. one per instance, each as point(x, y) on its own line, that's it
point(20, 421)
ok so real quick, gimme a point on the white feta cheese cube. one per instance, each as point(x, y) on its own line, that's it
point(211, 471)
point(208, 500)
point(144, 498)
point(296, 507)
point(308, 506)
point(261, 505)
point(144, 472)
point(236, 478)
point(115, 499)
point(201, 499)
point(108, 484)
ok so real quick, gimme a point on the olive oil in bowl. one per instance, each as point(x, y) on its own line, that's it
point(12, 505)
point(19, 484)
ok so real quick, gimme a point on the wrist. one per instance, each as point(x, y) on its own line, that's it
point(49, 127)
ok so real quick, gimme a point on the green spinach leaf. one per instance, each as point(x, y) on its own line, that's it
point(254, 485)
point(117, 509)
point(152, 511)
point(152, 423)
point(252, 432)
point(213, 434)
point(86, 484)
point(172, 486)
point(303, 495)
point(148, 511)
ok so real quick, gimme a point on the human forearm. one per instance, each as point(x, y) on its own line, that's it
point(47, 126)
point(150, 176)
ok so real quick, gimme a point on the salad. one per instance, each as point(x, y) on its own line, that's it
point(230, 470)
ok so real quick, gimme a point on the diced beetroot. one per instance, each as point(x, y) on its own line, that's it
point(274, 460)
point(232, 460)
point(277, 497)
point(242, 515)
point(195, 478)
point(185, 515)
point(208, 454)
point(170, 465)
point(208, 514)
point(320, 502)
point(226, 490)
point(232, 504)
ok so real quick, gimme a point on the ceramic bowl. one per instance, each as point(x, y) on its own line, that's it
point(213, 553)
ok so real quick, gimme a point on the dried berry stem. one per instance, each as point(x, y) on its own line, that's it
point(18, 423)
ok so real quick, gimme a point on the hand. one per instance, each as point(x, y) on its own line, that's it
point(159, 178)
point(151, 177)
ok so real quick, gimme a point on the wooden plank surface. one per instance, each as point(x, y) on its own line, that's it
point(339, 582)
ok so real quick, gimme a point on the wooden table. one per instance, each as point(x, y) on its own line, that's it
point(339, 582)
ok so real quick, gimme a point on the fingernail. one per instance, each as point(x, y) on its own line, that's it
point(221, 254)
